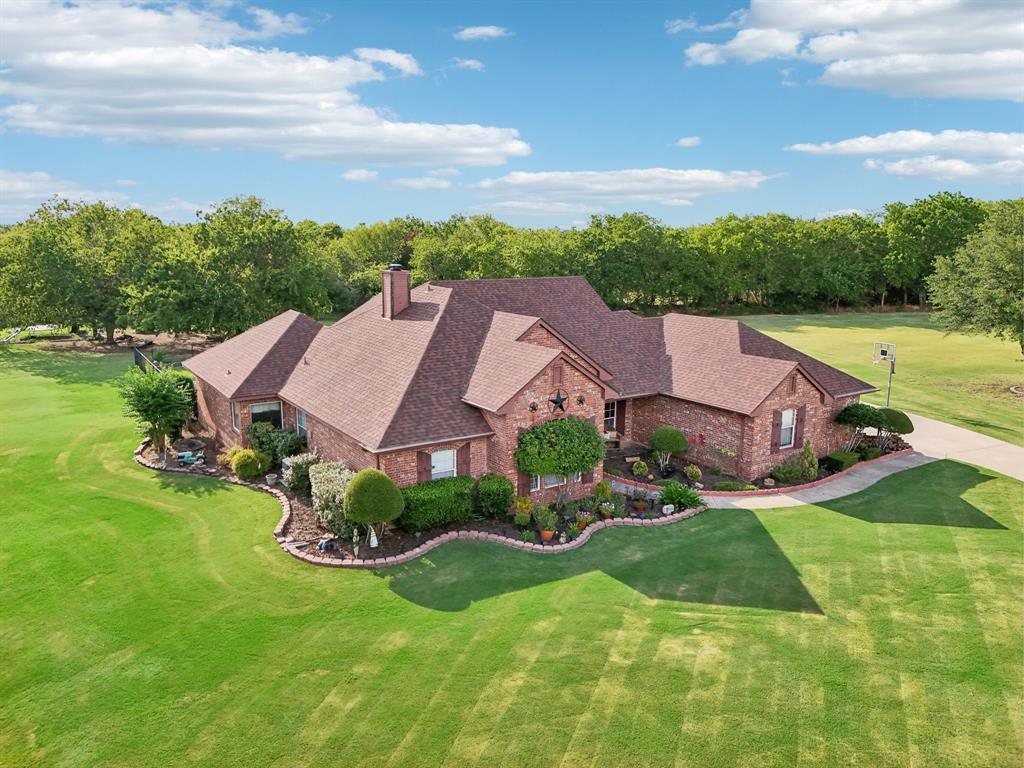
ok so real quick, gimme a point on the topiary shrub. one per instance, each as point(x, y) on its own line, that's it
point(328, 482)
point(640, 468)
point(735, 486)
point(436, 503)
point(680, 495)
point(666, 440)
point(560, 447)
point(373, 499)
point(248, 463)
point(860, 416)
point(894, 422)
point(494, 494)
point(296, 476)
point(841, 460)
point(693, 473)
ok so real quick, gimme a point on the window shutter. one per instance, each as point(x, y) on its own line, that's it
point(462, 460)
point(776, 430)
point(524, 483)
point(588, 477)
point(556, 375)
point(798, 437)
point(620, 417)
point(422, 466)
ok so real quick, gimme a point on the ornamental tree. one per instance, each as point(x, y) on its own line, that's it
point(560, 447)
point(894, 422)
point(372, 498)
point(665, 441)
point(157, 401)
point(860, 416)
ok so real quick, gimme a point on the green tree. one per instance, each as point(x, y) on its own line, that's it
point(372, 498)
point(560, 447)
point(666, 440)
point(979, 289)
point(157, 402)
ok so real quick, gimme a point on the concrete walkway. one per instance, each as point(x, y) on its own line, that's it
point(932, 440)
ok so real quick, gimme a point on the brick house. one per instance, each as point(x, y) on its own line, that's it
point(440, 380)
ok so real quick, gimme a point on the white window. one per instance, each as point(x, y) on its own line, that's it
point(269, 412)
point(236, 417)
point(535, 482)
point(787, 436)
point(300, 423)
point(553, 481)
point(442, 464)
point(610, 411)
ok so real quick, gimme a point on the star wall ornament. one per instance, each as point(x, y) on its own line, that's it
point(558, 401)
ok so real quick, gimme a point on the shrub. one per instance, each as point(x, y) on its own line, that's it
point(227, 455)
point(495, 494)
point(715, 470)
point(693, 473)
point(603, 491)
point(522, 505)
point(186, 383)
point(296, 476)
point(436, 503)
point(372, 498)
point(572, 531)
point(860, 416)
point(667, 440)
point(248, 463)
point(156, 402)
point(680, 495)
point(640, 468)
point(522, 519)
point(277, 443)
point(841, 460)
point(545, 517)
point(735, 486)
point(896, 422)
point(529, 536)
point(560, 447)
point(802, 468)
point(869, 452)
point(327, 483)
point(613, 471)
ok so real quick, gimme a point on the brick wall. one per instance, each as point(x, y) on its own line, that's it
point(331, 445)
point(720, 429)
point(215, 413)
point(542, 337)
point(400, 466)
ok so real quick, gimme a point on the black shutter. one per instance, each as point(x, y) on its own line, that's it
point(422, 466)
point(798, 438)
point(776, 430)
point(462, 460)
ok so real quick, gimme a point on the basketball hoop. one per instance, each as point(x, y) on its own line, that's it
point(885, 350)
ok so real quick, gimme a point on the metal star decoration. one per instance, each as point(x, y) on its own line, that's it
point(558, 401)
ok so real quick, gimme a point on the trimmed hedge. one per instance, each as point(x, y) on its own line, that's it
point(436, 503)
point(372, 497)
point(296, 476)
point(869, 452)
point(494, 494)
point(841, 460)
point(734, 486)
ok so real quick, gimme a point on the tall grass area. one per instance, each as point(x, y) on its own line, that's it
point(962, 379)
point(152, 620)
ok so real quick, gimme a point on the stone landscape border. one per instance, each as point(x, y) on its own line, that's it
point(770, 491)
point(333, 562)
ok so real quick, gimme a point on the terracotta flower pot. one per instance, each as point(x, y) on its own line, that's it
point(547, 535)
point(607, 513)
point(581, 524)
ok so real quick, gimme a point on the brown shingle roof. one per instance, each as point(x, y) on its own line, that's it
point(259, 361)
point(423, 376)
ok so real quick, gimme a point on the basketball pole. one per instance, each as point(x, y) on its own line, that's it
point(888, 387)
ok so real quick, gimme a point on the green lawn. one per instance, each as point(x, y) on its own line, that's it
point(151, 620)
point(961, 379)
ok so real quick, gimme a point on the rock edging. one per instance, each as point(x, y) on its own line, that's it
point(333, 562)
point(772, 491)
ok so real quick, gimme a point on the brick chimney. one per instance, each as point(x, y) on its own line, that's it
point(394, 290)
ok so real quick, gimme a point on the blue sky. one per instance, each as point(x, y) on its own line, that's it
point(541, 113)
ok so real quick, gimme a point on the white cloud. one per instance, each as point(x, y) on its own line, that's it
point(177, 210)
point(666, 186)
point(425, 182)
point(971, 143)
point(536, 208)
point(688, 141)
point(439, 172)
point(952, 169)
point(841, 212)
point(472, 64)
point(359, 174)
point(945, 48)
point(994, 156)
point(732, 21)
point(481, 33)
point(402, 62)
point(675, 26)
point(21, 192)
point(179, 74)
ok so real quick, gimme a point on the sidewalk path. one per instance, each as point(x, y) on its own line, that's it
point(932, 440)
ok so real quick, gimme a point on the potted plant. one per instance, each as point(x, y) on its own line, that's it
point(584, 518)
point(639, 504)
point(607, 509)
point(546, 519)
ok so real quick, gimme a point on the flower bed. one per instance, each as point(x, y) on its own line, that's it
point(297, 516)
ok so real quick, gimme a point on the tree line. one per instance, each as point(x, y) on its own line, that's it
point(242, 262)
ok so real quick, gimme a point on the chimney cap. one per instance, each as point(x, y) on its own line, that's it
point(396, 267)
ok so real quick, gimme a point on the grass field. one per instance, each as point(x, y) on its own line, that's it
point(961, 379)
point(150, 620)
